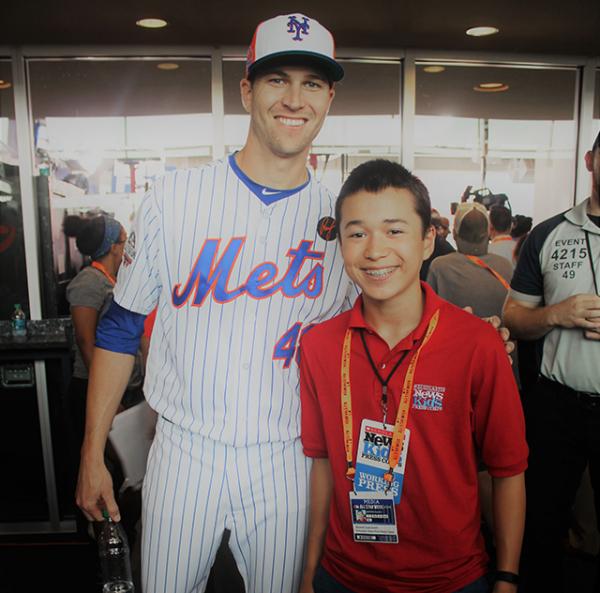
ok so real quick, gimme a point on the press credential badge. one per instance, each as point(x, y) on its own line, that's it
point(372, 459)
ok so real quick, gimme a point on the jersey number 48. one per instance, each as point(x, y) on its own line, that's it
point(286, 348)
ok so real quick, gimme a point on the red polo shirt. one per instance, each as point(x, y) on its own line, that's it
point(465, 402)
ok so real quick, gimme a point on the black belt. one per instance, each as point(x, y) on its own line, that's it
point(585, 397)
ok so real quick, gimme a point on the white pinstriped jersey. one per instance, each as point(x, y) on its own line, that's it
point(236, 282)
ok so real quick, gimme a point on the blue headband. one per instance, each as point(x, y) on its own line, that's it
point(112, 232)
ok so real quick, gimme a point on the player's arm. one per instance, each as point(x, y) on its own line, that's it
point(109, 375)
point(503, 332)
point(508, 500)
point(529, 321)
point(117, 341)
point(321, 486)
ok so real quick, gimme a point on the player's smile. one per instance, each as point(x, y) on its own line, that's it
point(292, 122)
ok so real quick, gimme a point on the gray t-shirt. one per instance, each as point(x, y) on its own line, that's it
point(554, 265)
point(503, 245)
point(464, 283)
point(91, 288)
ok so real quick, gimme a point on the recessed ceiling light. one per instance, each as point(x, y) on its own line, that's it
point(151, 23)
point(491, 87)
point(167, 66)
point(481, 31)
point(433, 69)
point(4, 85)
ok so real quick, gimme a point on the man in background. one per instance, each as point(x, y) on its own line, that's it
point(554, 298)
point(472, 276)
point(441, 245)
point(501, 242)
point(441, 224)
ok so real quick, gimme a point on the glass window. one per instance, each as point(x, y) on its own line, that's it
point(503, 130)
point(363, 123)
point(103, 130)
point(236, 119)
point(13, 274)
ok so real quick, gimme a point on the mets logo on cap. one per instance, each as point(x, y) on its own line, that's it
point(298, 28)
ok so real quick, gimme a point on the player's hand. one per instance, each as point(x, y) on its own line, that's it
point(580, 310)
point(503, 332)
point(95, 491)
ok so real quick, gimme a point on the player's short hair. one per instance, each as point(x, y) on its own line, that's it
point(501, 218)
point(379, 174)
point(284, 61)
point(596, 144)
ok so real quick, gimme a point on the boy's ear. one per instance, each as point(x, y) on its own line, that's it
point(589, 160)
point(429, 242)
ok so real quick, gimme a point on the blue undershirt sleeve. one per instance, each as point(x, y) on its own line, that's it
point(120, 330)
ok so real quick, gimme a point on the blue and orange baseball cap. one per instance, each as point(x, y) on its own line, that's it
point(293, 38)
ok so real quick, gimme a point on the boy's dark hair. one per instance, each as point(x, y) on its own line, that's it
point(501, 218)
point(379, 174)
point(287, 60)
point(596, 144)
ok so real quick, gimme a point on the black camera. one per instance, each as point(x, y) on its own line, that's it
point(483, 196)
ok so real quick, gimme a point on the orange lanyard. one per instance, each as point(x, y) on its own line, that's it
point(403, 407)
point(101, 268)
point(481, 263)
point(500, 239)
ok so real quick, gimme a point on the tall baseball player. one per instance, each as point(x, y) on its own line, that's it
point(240, 258)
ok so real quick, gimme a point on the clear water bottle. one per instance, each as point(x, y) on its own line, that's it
point(18, 322)
point(115, 562)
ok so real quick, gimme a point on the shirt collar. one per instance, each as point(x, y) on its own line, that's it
point(578, 215)
point(503, 237)
point(430, 306)
point(267, 195)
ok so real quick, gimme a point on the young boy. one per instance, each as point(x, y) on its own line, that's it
point(400, 397)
